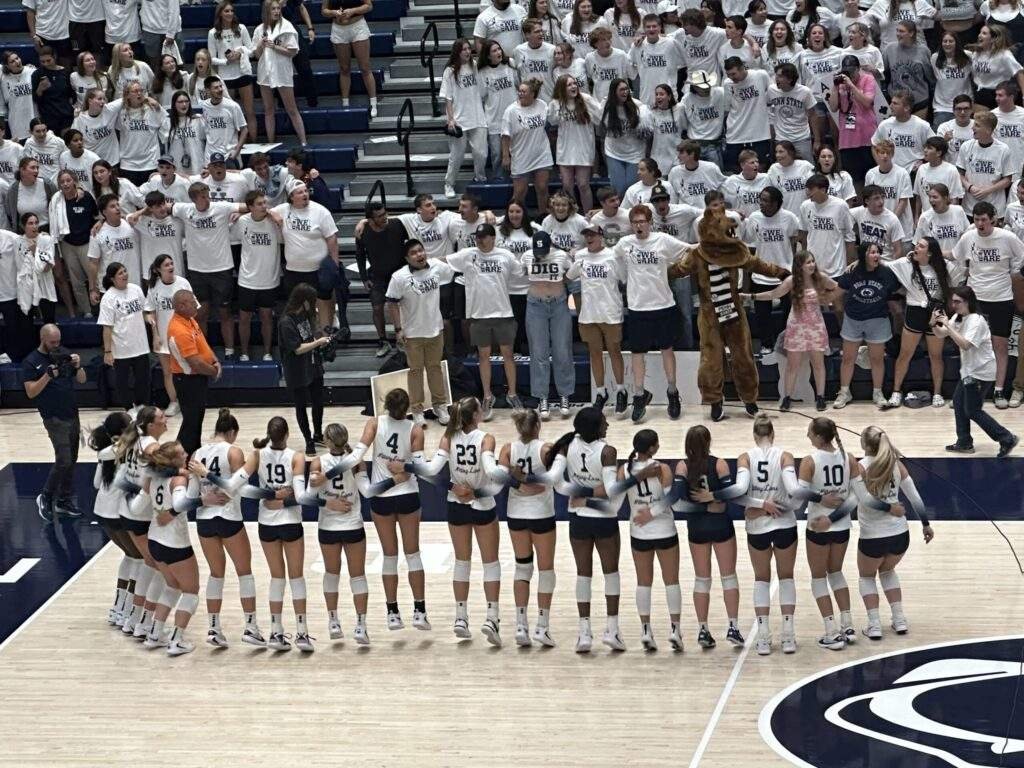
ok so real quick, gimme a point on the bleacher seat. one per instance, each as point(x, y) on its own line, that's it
point(381, 44)
point(249, 13)
point(496, 193)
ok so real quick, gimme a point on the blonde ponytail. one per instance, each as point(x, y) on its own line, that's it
point(878, 476)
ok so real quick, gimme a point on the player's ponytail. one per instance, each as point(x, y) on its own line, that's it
point(644, 441)
point(878, 476)
point(587, 425)
point(527, 424)
point(462, 414)
point(697, 446)
point(226, 422)
point(105, 436)
point(763, 427)
point(277, 434)
point(825, 429)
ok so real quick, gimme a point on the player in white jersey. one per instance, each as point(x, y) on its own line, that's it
point(885, 533)
point(469, 454)
point(531, 520)
point(652, 532)
point(220, 527)
point(769, 475)
point(396, 440)
point(170, 547)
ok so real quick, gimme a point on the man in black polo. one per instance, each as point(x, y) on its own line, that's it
point(50, 373)
point(382, 242)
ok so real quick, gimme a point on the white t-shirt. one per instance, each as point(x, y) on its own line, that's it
point(499, 88)
point(703, 118)
point(504, 27)
point(487, 280)
point(85, 10)
point(581, 41)
point(160, 300)
point(701, 53)
point(748, 104)
point(123, 24)
point(575, 144)
point(305, 235)
point(990, 262)
point(116, 244)
point(81, 166)
point(47, 154)
point(883, 229)
point(207, 235)
point(603, 69)
point(161, 17)
point(52, 20)
point(646, 263)
point(433, 234)
point(908, 136)
point(139, 132)
point(260, 266)
point(896, 185)
point(943, 173)
point(176, 191)
point(161, 236)
point(548, 269)
point(222, 121)
point(99, 132)
point(946, 227)
point(903, 269)
point(615, 227)
point(957, 136)
point(10, 156)
point(464, 94)
point(791, 181)
point(666, 127)
point(772, 237)
point(565, 234)
point(829, 228)
point(534, 64)
point(982, 166)
point(656, 63)
point(978, 360)
point(122, 312)
point(817, 69)
point(186, 143)
point(275, 69)
point(16, 102)
point(630, 145)
point(418, 295)
point(787, 111)
point(600, 274)
point(530, 148)
point(691, 186)
point(988, 71)
point(742, 194)
point(950, 81)
point(1010, 131)
point(678, 222)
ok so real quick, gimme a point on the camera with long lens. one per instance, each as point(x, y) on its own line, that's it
point(336, 338)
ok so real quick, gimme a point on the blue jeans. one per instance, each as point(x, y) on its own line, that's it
point(968, 406)
point(621, 174)
point(549, 331)
point(712, 153)
point(683, 292)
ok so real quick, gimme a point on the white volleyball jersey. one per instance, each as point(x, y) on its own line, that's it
point(831, 475)
point(109, 503)
point(766, 483)
point(875, 524)
point(175, 533)
point(136, 462)
point(341, 487)
point(392, 441)
point(466, 465)
point(529, 459)
point(214, 456)
point(644, 494)
point(275, 472)
point(583, 466)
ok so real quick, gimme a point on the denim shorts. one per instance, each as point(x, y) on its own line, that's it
point(877, 330)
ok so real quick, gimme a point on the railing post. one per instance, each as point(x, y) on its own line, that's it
point(378, 186)
point(403, 134)
point(458, 19)
point(427, 62)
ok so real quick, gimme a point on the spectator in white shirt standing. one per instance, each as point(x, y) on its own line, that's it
point(275, 43)
point(746, 126)
point(828, 227)
point(577, 26)
point(935, 170)
point(16, 102)
point(350, 36)
point(574, 114)
point(498, 80)
point(993, 63)
point(465, 117)
point(656, 57)
point(161, 28)
point(905, 130)
point(984, 165)
point(226, 128)
point(228, 43)
point(123, 23)
point(49, 24)
point(116, 241)
point(525, 148)
point(164, 282)
point(1010, 123)
point(259, 272)
point(501, 22)
point(138, 125)
point(791, 110)
point(125, 69)
point(626, 123)
point(125, 344)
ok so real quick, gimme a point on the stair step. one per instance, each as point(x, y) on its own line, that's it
point(419, 144)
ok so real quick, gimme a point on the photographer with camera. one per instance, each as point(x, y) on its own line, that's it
point(50, 373)
point(302, 346)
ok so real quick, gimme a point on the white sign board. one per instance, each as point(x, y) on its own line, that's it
point(382, 384)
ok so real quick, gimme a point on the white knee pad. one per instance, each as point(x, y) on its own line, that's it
point(889, 580)
point(276, 592)
point(787, 592)
point(702, 585)
point(298, 588)
point(524, 571)
point(125, 569)
point(762, 594)
point(674, 597)
point(359, 585)
point(583, 589)
point(492, 571)
point(461, 570)
point(214, 588)
point(188, 603)
point(143, 578)
point(643, 601)
point(156, 587)
point(730, 582)
point(413, 562)
point(611, 584)
point(837, 581)
point(546, 582)
point(867, 586)
point(247, 586)
point(819, 588)
point(390, 566)
point(331, 582)
point(169, 597)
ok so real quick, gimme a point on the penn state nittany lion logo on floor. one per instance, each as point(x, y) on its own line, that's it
point(954, 704)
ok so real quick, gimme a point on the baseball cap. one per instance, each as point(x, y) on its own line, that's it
point(166, 160)
point(592, 229)
point(541, 243)
point(660, 193)
point(667, 6)
point(485, 230)
point(702, 79)
point(216, 157)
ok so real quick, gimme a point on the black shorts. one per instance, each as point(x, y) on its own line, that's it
point(378, 290)
point(886, 545)
point(218, 528)
point(985, 97)
point(714, 529)
point(288, 532)
point(62, 48)
point(780, 538)
point(251, 299)
point(446, 296)
point(592, 528)
point(464, 514)
point(213, 289)
point(649, 545)
point(403, 504)
point(138, 527)
point(650, 331)
point(239, 82)
point(291, 279)
point(917, 319)
point(999, 315)
point(169, 555)
point(111, 524)
point(341, 537)
point(533, 525)
point(828, 537)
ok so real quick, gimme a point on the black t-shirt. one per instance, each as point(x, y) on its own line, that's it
point(56, 104)
point(57, 400)
point(383, 250)
point(81, 217)
point(868, 292)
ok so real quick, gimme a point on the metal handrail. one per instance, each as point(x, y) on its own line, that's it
point(403, 134)
point(378, 186)
point(427, 62)
point(458, 19)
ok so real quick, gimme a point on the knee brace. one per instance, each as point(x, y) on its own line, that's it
point(787, 592)
point(298, 588)
point(214, 588)
point(390, 566)
point(546, 582)
point(359, 585)
point(276, 592)
point(643, 601)
point(125, 569)
point(331, 582)
point(702, 585)
point(837, 581)
point(524, 568)
point(867, 586)
point(188, 603)
point(730, 582)
point(156, 587)
point(819, 588)
point(583, 589)
point(611, 584)
point(674, 598)
point(247, 586)
point(413, 562)
point(461, 570)
point(169, 597)
point(143, 578)
point(762, 594)
point(492, 571)
point(889, 580)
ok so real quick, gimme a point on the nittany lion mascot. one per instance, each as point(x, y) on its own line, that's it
point(715, 264)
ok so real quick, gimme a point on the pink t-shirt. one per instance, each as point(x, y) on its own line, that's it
point(865, 121)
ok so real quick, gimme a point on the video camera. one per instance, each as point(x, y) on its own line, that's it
point(60, 359)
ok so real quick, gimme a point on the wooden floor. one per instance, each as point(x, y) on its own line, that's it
point(77, 694)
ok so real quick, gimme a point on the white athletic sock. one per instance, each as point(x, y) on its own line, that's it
point(845, 619)
point(542, 617)
point(763, 624)
point(521, 615)
point(215, 621)
point(613, 623)
point(492, 610)
point(158, 628)
point(787, 622)
point(344, 102)
point(361, 619)
point(175, 634)
point(619, 387)
point(601, 391)
point(276, 626)
point(585, 626)
point(119, 598)
point(873, 617)
point(830, 625)
point(300, 624)
point(250, 619)
point(734, 623)
point(461, 610)
point(703, 625)
point(897, 609)
point(332, 615)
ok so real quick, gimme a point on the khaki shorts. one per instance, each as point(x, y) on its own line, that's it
point(601, 334)
point(492, 331)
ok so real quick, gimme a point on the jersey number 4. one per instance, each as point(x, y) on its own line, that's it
point(213, 466)
point(392, 443)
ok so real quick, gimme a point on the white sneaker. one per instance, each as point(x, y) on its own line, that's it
point(373, 110)
point(131, 620)
point(900, 625)
point(154, 640)
point(180, 647)
point(487, 408)
point(420, 620)
point(418, 420)
point(613, 640)
point(143, 629)
point(304, 642)
point(279, 642)
point(449, 191)
point(544, 410)
point(842, 400)
point(835, 642)
point(360, 634)
point(938, 401)
point(243, 358)
point(543, 636)
point(675, 640)
point(442, 415)
point(879, 399)
point(896, 400)
point(462, 628)
point(523, 636)
point(383, 349)
point(215, 637)
point(395, 621)
point(584, 642)
point(253, 636)
point(873, 631)
point(113, 615)
point(788, 643)
point(173, 409)
point(1016, 398)
point(763, 644)
point(268, 358)
point(229, 352)
point(334, 629)
point(1001, 402)
point(491, 632)
point(849, 633)
point(769, 358)
point(647, 639)
point(563, 407)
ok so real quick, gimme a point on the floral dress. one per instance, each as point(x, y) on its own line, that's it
point(805, 328)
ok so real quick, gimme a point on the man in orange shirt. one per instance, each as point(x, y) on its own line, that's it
point(192, 364)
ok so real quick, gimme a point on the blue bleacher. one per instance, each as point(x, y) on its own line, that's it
point(381, 44)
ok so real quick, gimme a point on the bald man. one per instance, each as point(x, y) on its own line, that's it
point(192, 365)
point(50, 373)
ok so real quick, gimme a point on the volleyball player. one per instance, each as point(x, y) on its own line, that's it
point(769, 474)
point(531, 521)
point(885, 534)
point(221, 529)
point(652, 532)
point(395, 438)
point(469, 452)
